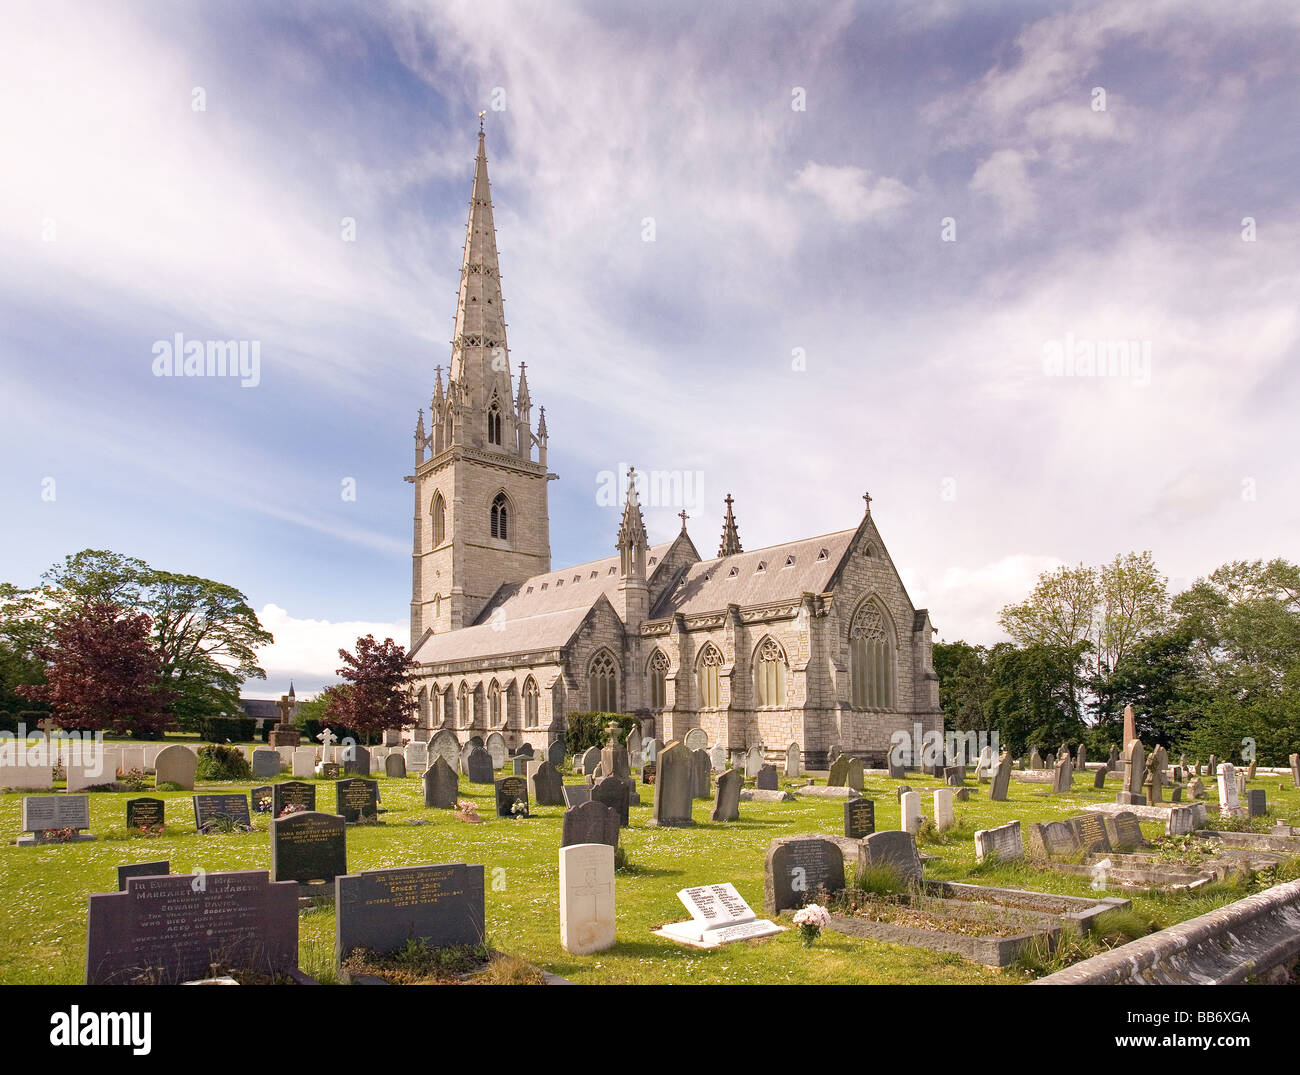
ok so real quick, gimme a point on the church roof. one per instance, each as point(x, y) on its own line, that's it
point(788, 571)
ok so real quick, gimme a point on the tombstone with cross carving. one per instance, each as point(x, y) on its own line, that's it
point(586, 898)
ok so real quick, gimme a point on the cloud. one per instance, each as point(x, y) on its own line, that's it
point(307, 650)
point(849, 193)
point(1005, 177)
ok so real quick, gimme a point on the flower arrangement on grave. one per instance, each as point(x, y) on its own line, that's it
point(811, 920)
point(293, 808)
point(265, 805)
point(150, 830)
point(61, 836)
point(518, 809)
point(467, 811)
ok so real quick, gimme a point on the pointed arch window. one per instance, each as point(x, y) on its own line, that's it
point(657, 671)
point(448, 707)
point(494, 424)
point(462, 706)
point(769, 673)
point(422, 710)
point(494, 703)
point(501, 517)
point(438, 520)
point(532, 697)
point(871, 657)
point(707, 675)
point(602, 677)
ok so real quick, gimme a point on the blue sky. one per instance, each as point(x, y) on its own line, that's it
point(129, 216)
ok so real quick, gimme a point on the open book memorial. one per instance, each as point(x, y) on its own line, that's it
point(719, 915)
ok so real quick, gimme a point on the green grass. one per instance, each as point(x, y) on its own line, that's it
point(44, 889)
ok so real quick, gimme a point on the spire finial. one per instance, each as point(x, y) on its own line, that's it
point(683, 516)
point(480, 121)
point(730, 535)
point(867, 498)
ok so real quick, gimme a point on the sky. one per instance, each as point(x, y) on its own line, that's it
point(1026, 272)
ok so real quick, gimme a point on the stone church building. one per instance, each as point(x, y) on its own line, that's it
point(814, 641)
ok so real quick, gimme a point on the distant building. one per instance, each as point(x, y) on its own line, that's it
point(266, 710)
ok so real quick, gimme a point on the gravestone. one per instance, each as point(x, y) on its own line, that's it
point(1134, 770)
point(674, 786)
point(900, 791)
point(897, 770)
point(839, 771)
point(954, 775)
point(495, 745)
point(719, 915)
point(575, 794)
point(588, 762)
point(859, 818)
point(525, 750)
point(648, 770)
point(943, 818)
point(1090, 833)
point(796, 867)
point(141, 869)
point(853, 775)
point(1177, 795)
point(309, 848)
point(587, 896)
point(1124, 831)
point(589, 823)
point(462, 762)
point(1229, 798)
point(893, 848)
point(1130, 727)
point(1196, 789)
point(701, 768)
point(650, 751)
point(1112, 759)
point(1005, 843)
point(1181, 821)
point(1063, 778)
point(1001, 779)
point(613, 757)
point(555, 753)
point(1052, 839)
point(547, 785)
point(1082, 759)
point(304, 761)
point(521, 763)
point(144, 813)
point(266, 763)
point(1295, 769)
point(292, 793)
point(911, 812)
point(356, 759)
point(210, 809)
point(475, 741)
point(445, 745)
point(174, 927)
point(1035, 759)
point(44, 813)
point(395, 766)
point(415, 757)
point(511, 790)
point(357, 799)
point(718, 757)
point(753, 761)
point(726, 803)
point(1099, 780)
point(633, 743)
point(380, 910)
point(176, 765)
point(441, 785)
point(766, 779)
point(1213, 769)
point(696, 739)
point(1155, 776)
point(616, 793)
point(261, 799)
point(1256, 802)
point(792, 760)
point(478, 767)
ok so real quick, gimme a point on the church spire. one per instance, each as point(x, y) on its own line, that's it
point(632, 533)
point(730, 535)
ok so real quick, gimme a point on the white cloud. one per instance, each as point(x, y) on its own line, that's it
point(849, 193)
point(307, 650)
point(1005, 176)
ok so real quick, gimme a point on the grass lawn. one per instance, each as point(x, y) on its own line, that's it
point(44, 889)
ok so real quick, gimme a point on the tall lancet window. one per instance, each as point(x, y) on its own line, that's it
point(657, 668)
point(494, 424)
point(603, 678)
point(501, 517)
point(531, 694)
point(438, 515)
point(707, 676)
point(769, 674)
point(494, 703)
point(462, 706)
point(871, 657)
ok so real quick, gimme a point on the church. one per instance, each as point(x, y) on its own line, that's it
point(813, 641)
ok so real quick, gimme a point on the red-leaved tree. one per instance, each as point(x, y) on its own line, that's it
point(103, 673)
point(377, 694)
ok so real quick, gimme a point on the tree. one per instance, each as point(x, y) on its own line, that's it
point(22, 628)
point(1030, 695)
point(964, 687)
point(1057, 616)
point(1159, 678)
point(103, 673)
point(377, 693)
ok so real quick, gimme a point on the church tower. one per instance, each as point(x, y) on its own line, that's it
point(481, 515)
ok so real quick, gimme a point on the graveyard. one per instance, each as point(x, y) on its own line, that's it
point(971, 906)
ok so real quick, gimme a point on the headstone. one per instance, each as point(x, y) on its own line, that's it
point(1295, 769)
point(696, 739)
point(1005, 843)
point(304, 762)
point(266, 763)
point(616, 793)
point(445, 745)
point(859, 818)
point(357, 799)
point(478, 767)
point(911, 812)
point(1256, 802)
point(525, 750)
point(1134, 770)
point(141, 869)
point(209, 809)
point(1035, 759)
point(1196, 789)
point(1001, 779)
point(43, 813)
point(893, 848)
point(674, 786)
point(547, 785)
point(1181, 821)
point(900, 791)
point(292, 793)
point(1229, 802)
point(1099, 780)
point(839, 772)
point(589, 761)
point(495, 745)
point(718, 756)
point(415, 757)
point(897, 770)
point(555, 753)
point(309, 848)
point(1081, 761)
point(509, 791)
point(1090, 833)
point(648, 770)
point(176, 765)
point(174, 927)
point(650, 751)
point(587, 897)
point(633, 743)
point(1124, 831)
point(521, 763)
point(766, 778)
point(1052, 839)
point(753, 761)
point(144, 813)
point(1156, 775)
point(701, 768)
point(613, 758)
point(1112, 759)
point(356, 759)
point(1177, 795)
point(1130, 726)
point(575, 794)
point(1063, 778)
point(441, 785)
point(726, 803)
point(1214, 766)
point(589, 823)
point(380, 910)
point(395, 766)
point(719, 915)
point(943, 819)
point(797, 867)
point(954, 775)
point(853, 775)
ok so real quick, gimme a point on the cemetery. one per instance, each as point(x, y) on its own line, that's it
point(512, 869)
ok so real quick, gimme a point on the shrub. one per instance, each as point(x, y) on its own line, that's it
point(586, 730)
point(132, 780)
point(222, 763)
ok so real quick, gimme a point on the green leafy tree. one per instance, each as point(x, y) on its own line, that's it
point(23, 628)
point(1031, 702)
point(964, 685)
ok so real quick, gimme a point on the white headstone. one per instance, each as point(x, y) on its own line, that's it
point(416, 756)
point(753, 762)
point(304, 762)
point(718, 757)
point(911, 807)
point(586, 897)
point(792, 760)
point(943, 809)
point(1229, 803)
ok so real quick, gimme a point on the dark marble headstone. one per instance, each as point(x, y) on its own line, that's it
point(590, 823)
point(1256, 802)
point(174, 928)
point(141, 869)
point(766, 780)
point(441, 785)
point(309, 847)
point(380, 910)
point(616, 793)
point(356, 760)
point(859, 818)
point(546, 784)
point(261, 794)
point(357, 799)
point(208, 808)
point(395, 766)
point(475, 741)
point(266, 763)
point(726, 802)
point(796, 867)
point(510, 790)
point(1090, 832)
point(292, 793)
point(895, 848)
point(575, 794)
point(526, 751)
point(478, 767)
point(144, 812)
